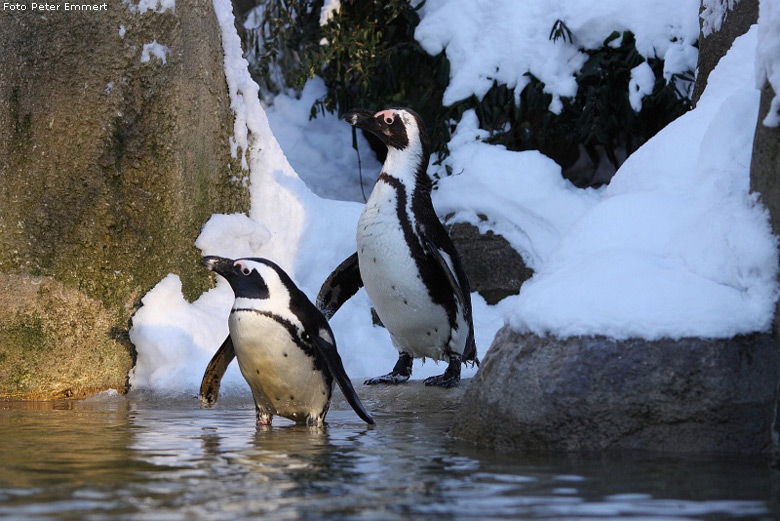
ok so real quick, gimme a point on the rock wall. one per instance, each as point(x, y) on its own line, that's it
point(114, 129)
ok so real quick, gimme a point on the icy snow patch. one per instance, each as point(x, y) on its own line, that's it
point(640, 85)
point(156, 6)
point(714, 13)
point(155, 49)
point(330, 8)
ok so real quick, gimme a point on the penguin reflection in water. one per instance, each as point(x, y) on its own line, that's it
point(405, 258)
point(284, 346)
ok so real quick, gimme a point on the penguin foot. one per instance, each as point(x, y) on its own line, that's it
point(451, 376)
point(389, 378)
point(443, 380)
point(400, 373)
point(263, 416)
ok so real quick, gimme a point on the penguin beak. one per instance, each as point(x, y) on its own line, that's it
point(364, 119)
point(219, 265)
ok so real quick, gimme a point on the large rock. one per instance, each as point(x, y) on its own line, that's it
point(495, 270)
point(115, 150)
point(61, 342)
point(687, 395)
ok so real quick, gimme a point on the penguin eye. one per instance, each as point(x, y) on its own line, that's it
point(305, 337)
point(387, 116)
point(246, 270)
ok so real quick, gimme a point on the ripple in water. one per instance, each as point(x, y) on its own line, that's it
point(142, 458)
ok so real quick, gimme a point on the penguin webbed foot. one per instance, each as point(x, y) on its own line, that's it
point(207, 401)
point(400, 373)
point(389, 378)
point(264, 417)
point(450, 378)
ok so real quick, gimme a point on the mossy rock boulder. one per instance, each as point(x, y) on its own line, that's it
point(56, 342)
point(114, 134)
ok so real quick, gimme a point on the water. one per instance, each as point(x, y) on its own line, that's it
point(155, 458)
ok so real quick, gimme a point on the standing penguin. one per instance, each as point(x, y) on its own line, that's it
point(284, 346)
point(405, 258)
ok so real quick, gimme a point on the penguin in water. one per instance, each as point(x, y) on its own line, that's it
point(285, 348)
point(405, 258)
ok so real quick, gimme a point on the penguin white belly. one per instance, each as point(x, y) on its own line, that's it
point(282, 376)
point(416, 324)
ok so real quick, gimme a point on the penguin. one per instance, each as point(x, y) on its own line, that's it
point(284, 346)
point(405, 259)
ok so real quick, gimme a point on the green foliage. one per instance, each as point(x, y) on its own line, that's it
point(599, 118)
point(372, 60)
point(560, 30)
point(278, 31)
point(368, 57)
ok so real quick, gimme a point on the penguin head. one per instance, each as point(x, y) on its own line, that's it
point(250, 278)
point(398, 128)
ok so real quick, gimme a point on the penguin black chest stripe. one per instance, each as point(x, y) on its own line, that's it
point(434, 281)
point(319, 363)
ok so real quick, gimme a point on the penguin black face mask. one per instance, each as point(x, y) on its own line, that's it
point(389, 125)
point(246, 282)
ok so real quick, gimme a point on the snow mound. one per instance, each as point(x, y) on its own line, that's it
point(677, 246)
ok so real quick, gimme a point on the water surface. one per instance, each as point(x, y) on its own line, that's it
point(163, 458)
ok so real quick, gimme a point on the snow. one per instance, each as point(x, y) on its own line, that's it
point(329, 10)
point(155, 49)
point(320, 150)
point(640, 85)
point(523, 194)
point(714, 13)
point(176, 339)
point(279, 206)
point(674, 246)
point(768, 56)
point(232, 236)
point(487, 41)
point(156, 6)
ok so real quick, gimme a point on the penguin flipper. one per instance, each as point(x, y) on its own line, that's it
point(447, 269)
point(340, 286)
point(212, 378)
point(470, 350)
point(332, 358)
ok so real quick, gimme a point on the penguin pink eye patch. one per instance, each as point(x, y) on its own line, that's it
point(243, 267)
point(387, 115)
